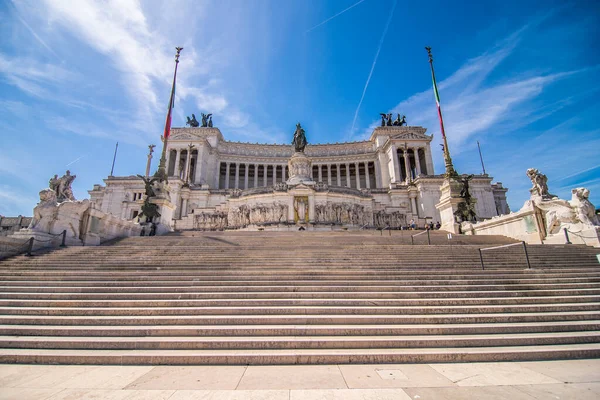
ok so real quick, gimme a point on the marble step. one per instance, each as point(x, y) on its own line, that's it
point(191, 292)
point(319, 288)
point(295, 310)
point(152, 300)
point(339, 330)
point(303, 319)
point(299, 356)
point(304, 342)
point(298, 281)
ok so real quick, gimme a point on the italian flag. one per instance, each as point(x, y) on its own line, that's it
point(437, 101)
point(171, 105)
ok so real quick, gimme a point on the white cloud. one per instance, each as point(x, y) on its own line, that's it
point(32, 76)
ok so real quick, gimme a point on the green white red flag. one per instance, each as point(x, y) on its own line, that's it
point(437, 101)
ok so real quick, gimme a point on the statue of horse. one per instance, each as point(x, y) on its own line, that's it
point(400, 121)
point(205, 118)
point(193, 122)
point(299, 141)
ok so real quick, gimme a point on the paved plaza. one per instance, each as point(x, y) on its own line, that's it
point(570, 379)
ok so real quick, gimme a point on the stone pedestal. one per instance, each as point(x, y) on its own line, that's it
point(165, 221)
point(449, 201)
point(300, 170)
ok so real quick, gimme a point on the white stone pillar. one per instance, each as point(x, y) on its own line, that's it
point(265, 177)
point(367, 177)
point(236, 183)
point(378, 175)
point(183, 212)
point(255, 175)
point(407, 165)
point(339, 175)
point(417, 161)
point(396, 161)
point(428, 160)
point(320, 172)
point(188, 165)
point(227, 176)
point(357, 175)
point(329, 174)
point(218, 175)
point(348, 175)
point(245, 176)
point(177, 172)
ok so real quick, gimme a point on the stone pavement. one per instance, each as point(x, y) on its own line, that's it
point(570, 379)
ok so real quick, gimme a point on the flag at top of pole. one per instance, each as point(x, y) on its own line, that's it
point(161, 173)
point(450, 172)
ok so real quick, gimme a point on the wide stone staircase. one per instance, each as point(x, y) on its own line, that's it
point(300, 298)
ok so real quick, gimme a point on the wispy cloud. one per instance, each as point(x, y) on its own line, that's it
point(472, 106)
point(36, 36)
point(336, 15)
point(32, 76)
point(11, 200)
point(387, 25)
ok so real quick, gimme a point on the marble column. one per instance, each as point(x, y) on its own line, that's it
point(378, 175)
point(237, 176)
point(320, 173)
point(339, 175)
point(357, 175)
point(255, 175)
point(396, 161)
point(176, 170)
point(407, 165)
point(367, 177)
point(183, 212)
point(245, 176)
point(227, 176)
point(217, 176)
point(428, 161)
point(329, 174)
point(417, 161)
point(265, 177)
point(348, 175)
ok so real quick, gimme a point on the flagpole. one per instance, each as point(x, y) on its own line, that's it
point(161, 173)
point(114, 159)
point(450, 172)
point(481, 157)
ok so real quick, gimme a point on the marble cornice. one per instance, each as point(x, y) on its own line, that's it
point(194, 133)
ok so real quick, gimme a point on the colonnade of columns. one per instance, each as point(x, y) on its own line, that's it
point(245, 175)
point(359, 175)
point(181, 165)
point(411, 162)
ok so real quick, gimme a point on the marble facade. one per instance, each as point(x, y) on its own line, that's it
point(388, 179)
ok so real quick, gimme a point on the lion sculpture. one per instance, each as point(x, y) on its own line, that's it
point(584, 209)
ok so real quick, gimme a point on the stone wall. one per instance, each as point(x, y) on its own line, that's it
point(525, 225)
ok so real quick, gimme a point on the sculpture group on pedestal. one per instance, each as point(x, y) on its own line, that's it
point(206, 121)
point(386, 120)
point(149, 210)
point(465, 211)
point(62, 187)
point(575, 216)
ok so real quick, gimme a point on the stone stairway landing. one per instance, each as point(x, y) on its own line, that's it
point(300, 298)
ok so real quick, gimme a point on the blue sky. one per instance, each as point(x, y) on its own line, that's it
point(521, 77)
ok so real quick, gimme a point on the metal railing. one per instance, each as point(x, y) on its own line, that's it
point(412, 237)
point(506, 245)
point(27, 246)
point(567, 239)
point(387, 227)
